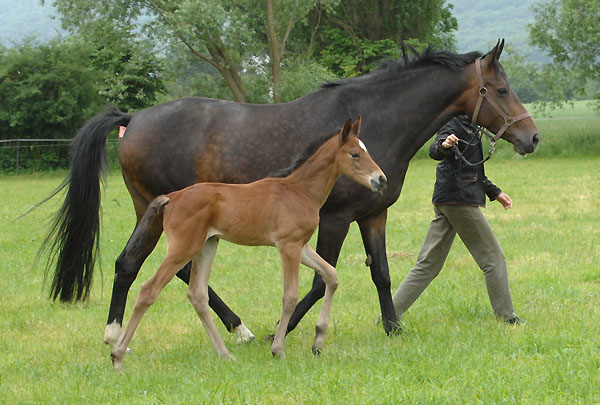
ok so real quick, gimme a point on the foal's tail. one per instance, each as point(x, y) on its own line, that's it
point(150, 227)
point(75, 232)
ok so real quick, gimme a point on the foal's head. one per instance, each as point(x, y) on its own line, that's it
point(354, 160)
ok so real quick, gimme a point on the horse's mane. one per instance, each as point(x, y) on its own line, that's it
point(305, 155)
point(391, 68)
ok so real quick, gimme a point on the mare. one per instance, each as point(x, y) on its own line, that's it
point(173, 145)
point(280, 212)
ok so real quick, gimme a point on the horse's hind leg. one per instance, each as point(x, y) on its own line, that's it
point(147, 296)
point(141, 243)
point(198, 293)
point(311, 259)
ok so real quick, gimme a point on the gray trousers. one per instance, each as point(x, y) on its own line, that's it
point(474, 230)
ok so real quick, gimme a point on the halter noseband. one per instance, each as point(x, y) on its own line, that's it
point(483, 93)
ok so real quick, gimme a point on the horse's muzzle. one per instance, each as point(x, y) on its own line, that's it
point(379, 184)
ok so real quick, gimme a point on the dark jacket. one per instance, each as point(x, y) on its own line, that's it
point(456, 182)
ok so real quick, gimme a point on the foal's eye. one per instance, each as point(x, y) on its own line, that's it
point(503, 91)
point(354, 155)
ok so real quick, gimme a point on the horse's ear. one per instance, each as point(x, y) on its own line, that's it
point(346, 130)
point(356, 127)
point(497, 50)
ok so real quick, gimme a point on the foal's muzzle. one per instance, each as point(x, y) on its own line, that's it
point(379, 183)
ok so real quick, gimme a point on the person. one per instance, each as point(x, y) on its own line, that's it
point(459, 192)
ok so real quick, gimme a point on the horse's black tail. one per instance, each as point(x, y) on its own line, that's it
point(75, 232)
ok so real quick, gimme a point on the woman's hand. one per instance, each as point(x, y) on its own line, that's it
point(450, 141)
point(504, 200)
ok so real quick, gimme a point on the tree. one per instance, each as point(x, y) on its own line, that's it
point(569, 31)
point(47, 91)
point(357, 34)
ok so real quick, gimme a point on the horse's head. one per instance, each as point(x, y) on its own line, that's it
point(492, 103)
point(355, 161)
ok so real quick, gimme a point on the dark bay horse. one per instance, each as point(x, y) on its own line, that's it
point(279, 212)
point(173, 145)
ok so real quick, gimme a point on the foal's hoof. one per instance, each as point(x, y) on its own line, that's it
point(316, 350)
point(116, 362)
point(279, 354)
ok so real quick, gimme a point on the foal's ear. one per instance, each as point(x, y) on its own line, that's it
point(356, 127)
point(346, 130)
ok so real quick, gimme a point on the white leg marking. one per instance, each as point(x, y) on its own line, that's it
point(244, 334)
point(112, 333)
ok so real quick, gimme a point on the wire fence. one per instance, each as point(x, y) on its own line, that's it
point(19, 154)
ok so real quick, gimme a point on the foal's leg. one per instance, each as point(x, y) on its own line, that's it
point(290, 258)
point(232, 322)
point(311, 259)
point(331, 235)
point(198, 293)
point(147, 296)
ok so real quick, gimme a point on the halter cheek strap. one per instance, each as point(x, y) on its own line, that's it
point(483, 93)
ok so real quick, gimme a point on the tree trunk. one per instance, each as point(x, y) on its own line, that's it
point(275, 56)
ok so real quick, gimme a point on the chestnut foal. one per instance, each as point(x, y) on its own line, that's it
point(280, 212)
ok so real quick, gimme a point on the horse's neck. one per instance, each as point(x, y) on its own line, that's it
point(418, 107)
point(316, 177)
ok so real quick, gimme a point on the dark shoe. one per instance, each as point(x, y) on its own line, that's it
point(515, 320)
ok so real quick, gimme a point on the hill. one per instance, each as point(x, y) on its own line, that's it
point(482, 22)
point(24, 18)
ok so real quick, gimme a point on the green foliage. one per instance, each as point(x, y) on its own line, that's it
point(48, 92)
point(358, 34)
point(569, 31)
point(346, 57)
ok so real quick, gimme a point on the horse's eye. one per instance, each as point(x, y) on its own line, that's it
point(354, 155)
point(503, 91)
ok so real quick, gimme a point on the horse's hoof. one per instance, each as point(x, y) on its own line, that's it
point(244, 334)
point(394, 329)
point(316, 351)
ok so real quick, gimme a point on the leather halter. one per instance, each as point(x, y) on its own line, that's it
point(483, 93)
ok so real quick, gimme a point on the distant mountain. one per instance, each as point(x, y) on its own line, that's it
point(20, 19)
point(482, 22)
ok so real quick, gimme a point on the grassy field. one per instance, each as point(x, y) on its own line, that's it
point(451, 350)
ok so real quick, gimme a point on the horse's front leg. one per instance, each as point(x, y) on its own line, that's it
point(311, 259)
point(372, 230)
point(332, 232)
point(290, 258)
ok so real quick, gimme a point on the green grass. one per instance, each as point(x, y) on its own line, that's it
point(451, 350)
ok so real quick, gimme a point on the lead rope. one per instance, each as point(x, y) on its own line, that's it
point(477, 135)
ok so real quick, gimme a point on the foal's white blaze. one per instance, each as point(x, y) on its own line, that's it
point(362, 145)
